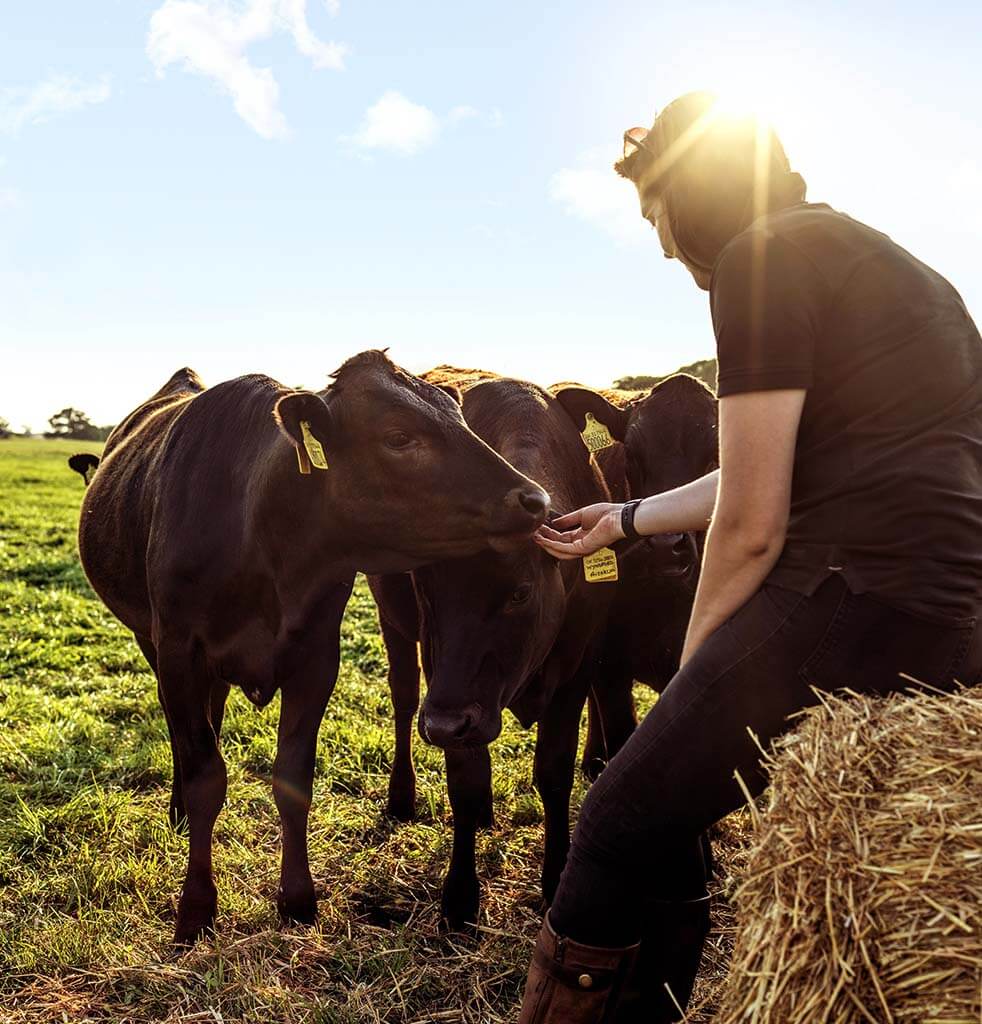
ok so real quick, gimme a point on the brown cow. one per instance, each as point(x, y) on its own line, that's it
point(224, 527)
point(517, 630)
point(669, 438)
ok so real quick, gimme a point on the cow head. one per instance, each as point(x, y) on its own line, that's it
point(670, 438)
point(488, 624)
point(499, 629)
point(405, 477)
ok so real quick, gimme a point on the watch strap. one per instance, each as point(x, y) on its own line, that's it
point(628, 510)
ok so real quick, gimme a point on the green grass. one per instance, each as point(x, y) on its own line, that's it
point(90, 870)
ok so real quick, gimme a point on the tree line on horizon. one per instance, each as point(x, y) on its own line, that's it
point(73, 424)
point(702, 369)
point(68, 424)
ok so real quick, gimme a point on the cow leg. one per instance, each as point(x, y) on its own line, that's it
point(304, 700)
point(595, 748)
point(403, 658)
point(177, 813)
point(216, 709)
point(555, 763)
point(613, 703)
point(186, 689)
point(469, 786)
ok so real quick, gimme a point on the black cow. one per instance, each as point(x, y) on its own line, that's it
point(669, 438)
point(519, 630)
point(224, 527)
point(85, 464)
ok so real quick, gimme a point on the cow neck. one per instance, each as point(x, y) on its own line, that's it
point(304, 528)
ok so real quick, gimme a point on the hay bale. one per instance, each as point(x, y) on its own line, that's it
point(862, 897)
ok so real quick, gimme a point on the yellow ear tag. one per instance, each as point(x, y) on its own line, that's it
point(314, 448)
point(600, 567)
point(595, 435)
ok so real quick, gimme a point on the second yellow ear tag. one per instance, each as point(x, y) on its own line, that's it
point(595, 435)
point(600, 567)
point(314, 448)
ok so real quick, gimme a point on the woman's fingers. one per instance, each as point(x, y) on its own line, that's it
point(569, 520)
point(558, 549)
point(555, 535)
point(577, 534)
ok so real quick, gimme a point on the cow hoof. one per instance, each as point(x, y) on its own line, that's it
point(194, 921)
point(401, 807)
point(461, 904)
point(186, 935)
point(297, 908)
point(550, 883)
point(592, 766)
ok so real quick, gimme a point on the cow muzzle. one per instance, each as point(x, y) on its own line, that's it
point(526, 508)
point(668, 555)
point(454, 728)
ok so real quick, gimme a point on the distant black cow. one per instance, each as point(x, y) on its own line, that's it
point(519, 630)
point(85, 464)
point(669, 438)
point(224, 527)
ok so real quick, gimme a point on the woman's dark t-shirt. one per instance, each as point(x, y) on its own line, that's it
point(887, 485)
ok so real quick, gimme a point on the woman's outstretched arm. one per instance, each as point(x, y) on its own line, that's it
point(680, 510)
point(745, 504)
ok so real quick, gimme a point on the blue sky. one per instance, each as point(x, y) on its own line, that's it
point(272, 185)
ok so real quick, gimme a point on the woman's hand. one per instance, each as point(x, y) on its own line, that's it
point(582, 532)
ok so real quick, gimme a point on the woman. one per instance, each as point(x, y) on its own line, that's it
point(844, 545)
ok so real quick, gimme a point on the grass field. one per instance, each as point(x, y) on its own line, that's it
point(90, 869)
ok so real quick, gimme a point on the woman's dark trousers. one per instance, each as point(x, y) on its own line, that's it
point(636, 870)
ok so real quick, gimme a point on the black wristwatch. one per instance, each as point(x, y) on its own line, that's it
point(628, 509)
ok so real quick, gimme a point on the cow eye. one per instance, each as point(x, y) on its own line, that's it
point(397, 440)
point(521, 594)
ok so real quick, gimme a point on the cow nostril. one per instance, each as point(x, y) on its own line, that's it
point(534, 502)
point(684, 546)
point(448, 728)
point(463, 726)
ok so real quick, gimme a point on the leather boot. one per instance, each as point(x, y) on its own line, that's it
point(669, 955)
point(569, 983)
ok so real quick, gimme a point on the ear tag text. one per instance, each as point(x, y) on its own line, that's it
point(595, 435)
point(600, 567)
point(315, 450)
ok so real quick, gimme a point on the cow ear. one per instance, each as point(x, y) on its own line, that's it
point(578, 402)
point(453, 392)
point(306, 421)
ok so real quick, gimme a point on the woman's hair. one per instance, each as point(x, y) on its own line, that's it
point(715, 173)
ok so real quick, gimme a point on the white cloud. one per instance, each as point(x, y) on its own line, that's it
point(333, 6)
point(210, 38)
point(59, 94)
point(395, 123)
point(9, 198)
point(593, 192)
point(462, 113)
